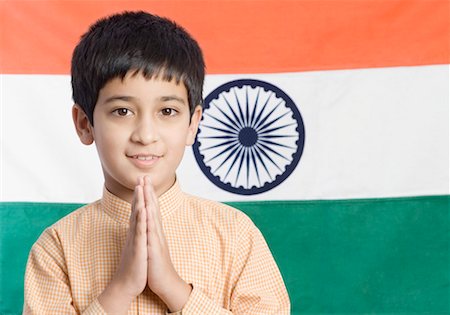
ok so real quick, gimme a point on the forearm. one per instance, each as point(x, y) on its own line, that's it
point(113, 300)
point(201, 303)
point(177, 296)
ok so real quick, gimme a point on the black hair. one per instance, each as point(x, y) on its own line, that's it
point(138, 42)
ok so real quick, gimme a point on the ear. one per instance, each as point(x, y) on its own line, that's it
point(82, 125)
point(193, 126)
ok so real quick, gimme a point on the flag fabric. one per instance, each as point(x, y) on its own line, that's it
point(328, 103)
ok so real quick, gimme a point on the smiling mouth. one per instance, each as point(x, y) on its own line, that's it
point(144, 161)
point(144, 158)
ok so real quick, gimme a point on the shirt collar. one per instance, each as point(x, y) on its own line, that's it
point(120, 210)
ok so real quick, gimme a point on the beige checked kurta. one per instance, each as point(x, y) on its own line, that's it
point(214, 247)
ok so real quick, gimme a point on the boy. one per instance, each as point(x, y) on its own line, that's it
point(146, 247)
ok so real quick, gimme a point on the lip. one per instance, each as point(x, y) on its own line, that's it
point(144, 160)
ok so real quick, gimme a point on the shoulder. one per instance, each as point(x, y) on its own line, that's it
point(82, 214)
point(70, 224)
point(218, 212)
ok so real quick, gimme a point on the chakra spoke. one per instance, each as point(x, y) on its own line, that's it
point(218, 137)
point(239, 107)
point(261, 112)
point(267, 156)
point(276, 128)
point(267, 116)
point(276, 136)
point(271, 122)
point(234, 162)
point(247, 160)
point(276, 144)
point(230, 127)
point(223, 152)
point(272, 150)
point(220, 129)
point(241, 159)
point(232, 121)
point(260, 159)
point(220, 145)
point(247, 114)
point(232, 153)
point(238, 122)
point(254, 109)
point(252, 151)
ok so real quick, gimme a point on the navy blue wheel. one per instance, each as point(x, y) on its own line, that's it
point(250, 138)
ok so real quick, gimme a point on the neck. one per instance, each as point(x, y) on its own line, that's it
point(127, 193)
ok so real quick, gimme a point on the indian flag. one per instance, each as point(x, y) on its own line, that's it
point(326, 121)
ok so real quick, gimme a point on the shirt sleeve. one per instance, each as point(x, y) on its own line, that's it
point(258, 287)
point(47, 286)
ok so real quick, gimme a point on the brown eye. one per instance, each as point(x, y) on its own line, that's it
point(122, 112)
point(168, 111)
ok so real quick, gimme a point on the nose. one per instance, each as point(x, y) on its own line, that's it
point(144, 132)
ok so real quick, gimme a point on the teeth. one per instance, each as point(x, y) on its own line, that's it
point(145, 158)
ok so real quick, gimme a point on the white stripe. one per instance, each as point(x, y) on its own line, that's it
point(369, 133)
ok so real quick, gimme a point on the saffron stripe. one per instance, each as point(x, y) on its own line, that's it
point(243, 36)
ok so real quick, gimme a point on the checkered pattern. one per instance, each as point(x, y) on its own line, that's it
point(214, 247)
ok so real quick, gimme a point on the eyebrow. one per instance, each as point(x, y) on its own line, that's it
point(172, 98)
point(126, 98)
point(118, 98)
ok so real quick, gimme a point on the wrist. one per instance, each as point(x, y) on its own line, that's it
point(114, 299)
point(177, 295)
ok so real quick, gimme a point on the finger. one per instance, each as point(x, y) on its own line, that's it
point(139, 195)
point(153, 206)
point(133, 202)
point(136, 197)
point(141, 224)
point(134, 207)
point(149, 209)
point(157, 213)
point(152, 234)
point(147, 190)
point(133, 221)
point(153, 198)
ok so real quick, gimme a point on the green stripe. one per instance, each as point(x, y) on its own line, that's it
point(360, 256)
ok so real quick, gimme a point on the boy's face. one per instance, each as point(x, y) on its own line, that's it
point(141, 127)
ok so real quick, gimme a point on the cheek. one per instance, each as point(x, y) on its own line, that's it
point(176, 144)
point(109, 140)
point(177, 137)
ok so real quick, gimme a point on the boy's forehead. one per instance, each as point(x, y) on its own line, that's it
point(137, 85)
point(160, 75)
